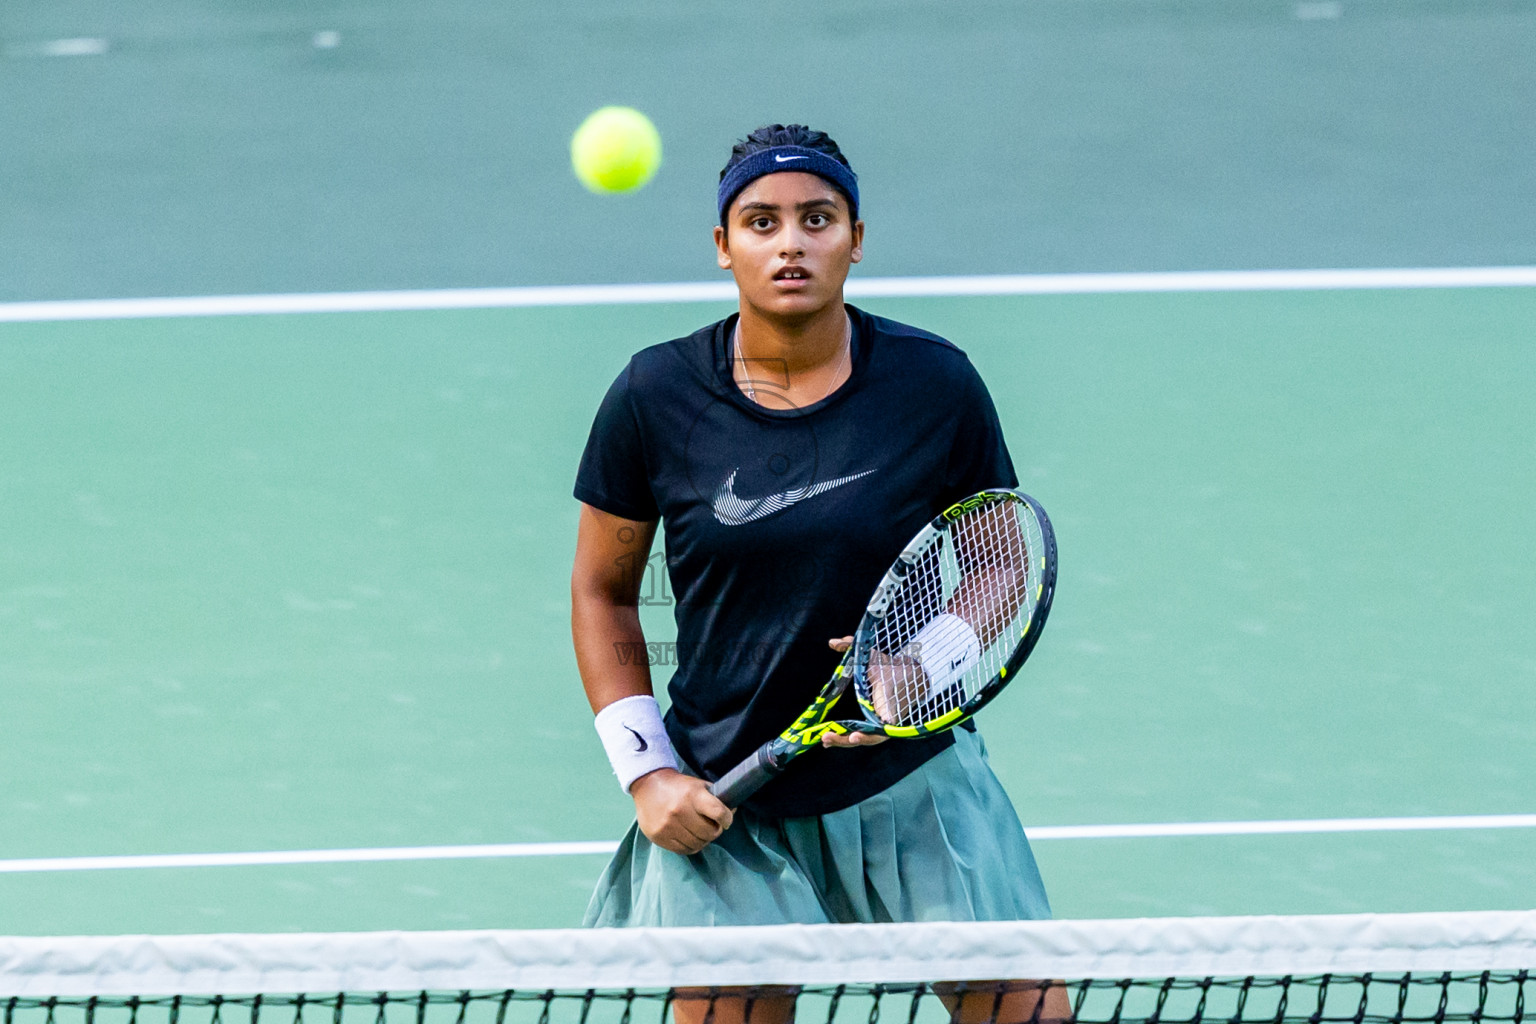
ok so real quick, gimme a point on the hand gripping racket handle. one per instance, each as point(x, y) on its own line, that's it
point(735, 786)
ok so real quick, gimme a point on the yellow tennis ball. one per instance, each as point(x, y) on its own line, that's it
point(616, 149)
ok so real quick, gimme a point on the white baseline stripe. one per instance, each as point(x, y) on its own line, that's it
point(725, 291)
point(279, 857)
point(605, 847)
point(1274, 828)
point(368, 302)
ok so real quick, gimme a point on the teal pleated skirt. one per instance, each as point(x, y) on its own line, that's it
point(942, 844)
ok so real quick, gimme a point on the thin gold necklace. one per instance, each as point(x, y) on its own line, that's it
point(747, 379)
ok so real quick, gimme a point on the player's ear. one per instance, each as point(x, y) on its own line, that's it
point(722, 248)
point(858, 242)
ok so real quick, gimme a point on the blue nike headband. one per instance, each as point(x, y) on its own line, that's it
point(788, 158)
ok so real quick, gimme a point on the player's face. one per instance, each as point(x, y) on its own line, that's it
point(790, 243)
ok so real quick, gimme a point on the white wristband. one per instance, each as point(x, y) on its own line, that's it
point(634, 738)
point(946, 648)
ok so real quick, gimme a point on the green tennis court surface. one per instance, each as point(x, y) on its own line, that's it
point(300, 582)
point(198, 147)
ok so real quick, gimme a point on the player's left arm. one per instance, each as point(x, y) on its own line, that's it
point(993, 587)
point(994, 558)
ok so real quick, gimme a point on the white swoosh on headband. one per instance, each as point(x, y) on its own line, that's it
point(787, 159)
point(733, 511)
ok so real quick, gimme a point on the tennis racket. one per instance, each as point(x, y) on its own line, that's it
point(988, 561)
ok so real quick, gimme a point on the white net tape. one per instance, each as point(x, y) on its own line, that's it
point(620, 958)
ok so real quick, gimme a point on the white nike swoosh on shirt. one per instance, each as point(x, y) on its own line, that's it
point(787, 159)
point(733, 511)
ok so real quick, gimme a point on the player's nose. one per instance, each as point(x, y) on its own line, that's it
point(792, 245)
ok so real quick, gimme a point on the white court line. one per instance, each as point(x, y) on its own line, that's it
point(725, 291)
point(1292, 827)
point(78, 47)
point(568, 849)
point(279, 857)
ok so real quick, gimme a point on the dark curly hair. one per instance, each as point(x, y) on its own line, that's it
point(771, 135)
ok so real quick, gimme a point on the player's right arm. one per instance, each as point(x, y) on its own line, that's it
point(675, 811)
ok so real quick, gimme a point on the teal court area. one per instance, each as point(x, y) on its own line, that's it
point(299, 582)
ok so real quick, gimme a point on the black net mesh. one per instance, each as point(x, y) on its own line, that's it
point(1492, 996)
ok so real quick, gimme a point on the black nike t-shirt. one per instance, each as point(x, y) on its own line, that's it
point(778, 524)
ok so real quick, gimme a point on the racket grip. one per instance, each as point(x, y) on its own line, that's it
point(735, 786)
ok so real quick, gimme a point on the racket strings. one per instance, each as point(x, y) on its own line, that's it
point(978, 570)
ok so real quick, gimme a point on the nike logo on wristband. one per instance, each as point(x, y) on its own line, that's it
point(733, 511)
point(644, 746)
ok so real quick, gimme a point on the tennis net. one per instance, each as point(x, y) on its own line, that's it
point(1389, 968)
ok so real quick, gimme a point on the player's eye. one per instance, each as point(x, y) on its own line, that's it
point(817, 220)
point(761, 223)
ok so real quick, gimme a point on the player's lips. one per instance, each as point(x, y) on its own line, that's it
point(791, 275)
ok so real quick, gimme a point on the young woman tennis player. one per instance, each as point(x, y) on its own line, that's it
point(790, 451)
